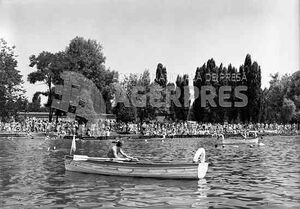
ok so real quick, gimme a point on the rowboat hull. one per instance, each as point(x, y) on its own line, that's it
point(240, 141)
point(139, 169)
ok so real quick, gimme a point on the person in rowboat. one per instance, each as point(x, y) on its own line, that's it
point(116, 150)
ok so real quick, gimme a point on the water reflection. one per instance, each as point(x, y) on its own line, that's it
point(31, 175)
point(136, 192)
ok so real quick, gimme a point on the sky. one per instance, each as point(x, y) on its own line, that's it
point(138, 34)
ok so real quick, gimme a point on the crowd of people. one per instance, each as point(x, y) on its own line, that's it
point(40, 126)
point(106, 127)
point(194, 128)
point(62, 127)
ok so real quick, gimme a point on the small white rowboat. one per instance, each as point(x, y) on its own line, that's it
point(164, 170)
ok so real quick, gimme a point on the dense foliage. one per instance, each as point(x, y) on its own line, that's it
point(217, 92)
point(281, 102)
point(216, 78)
point(86, 57)
point(81, 56)
point(182, 110)
point(11, 91)
point(132, 98)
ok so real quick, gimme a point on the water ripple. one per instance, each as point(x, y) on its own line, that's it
point(238, 176)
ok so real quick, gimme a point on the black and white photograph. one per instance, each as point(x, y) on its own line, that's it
point(149, 104)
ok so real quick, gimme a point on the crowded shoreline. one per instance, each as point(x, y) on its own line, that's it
point(166, 129)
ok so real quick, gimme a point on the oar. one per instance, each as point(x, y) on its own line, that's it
point(85, 157)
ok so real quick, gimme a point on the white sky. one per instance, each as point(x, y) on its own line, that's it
point(138, 34)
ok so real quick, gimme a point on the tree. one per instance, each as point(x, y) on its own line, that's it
point(86, 57)
point(48, 69)
point(80, 56)
point(158, 92)
point(274, 99)
point(228, 77)
point(205, 113)
point(146, 112)
point(182, 83)
point(288, 110)
point(125, 114)
point(293, 91)
point(282, 98)
point(134, 88)
point(35, 105)
point(296, 117)
point(253, 82)
point(161, 75)
point(11, 82)
point(125, 111)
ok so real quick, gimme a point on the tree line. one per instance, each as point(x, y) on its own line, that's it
point(278, 103)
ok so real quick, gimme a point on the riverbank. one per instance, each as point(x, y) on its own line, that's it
point(136, 136)
point(140, 136)
point(25, 134)
point(133, 136)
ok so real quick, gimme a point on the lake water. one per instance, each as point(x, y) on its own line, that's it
point(238, 177)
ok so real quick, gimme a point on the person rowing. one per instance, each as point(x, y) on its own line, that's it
point(115, 150)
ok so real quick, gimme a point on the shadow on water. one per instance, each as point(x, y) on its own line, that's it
point(32, 175)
